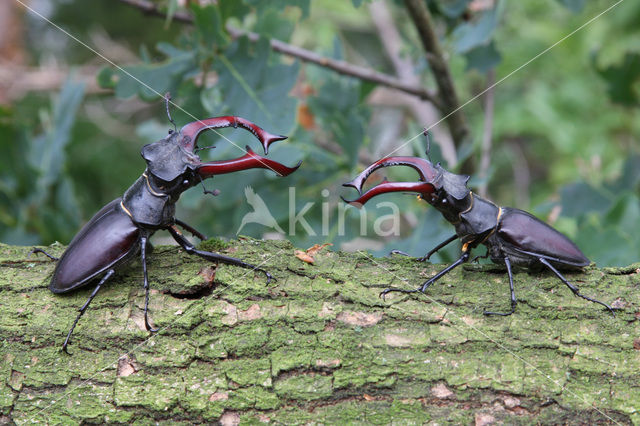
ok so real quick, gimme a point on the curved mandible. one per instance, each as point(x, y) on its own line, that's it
point(250, 160)
point(191, 131)
point(386, 186)
point(428, 173)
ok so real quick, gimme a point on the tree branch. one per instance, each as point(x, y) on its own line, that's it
point(446, 90)
point(485, 160)
point(316, 346)
point(16, 81)
point(341, 67)
point(422, 111)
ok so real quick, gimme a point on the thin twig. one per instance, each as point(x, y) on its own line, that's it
point(16, 81)
point(446, 90)
point(151, 9)
point(485, 161)
point(341, 67)
point(423, 112)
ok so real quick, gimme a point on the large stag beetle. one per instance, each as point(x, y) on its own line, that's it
point(512, 236)
point(122, 228)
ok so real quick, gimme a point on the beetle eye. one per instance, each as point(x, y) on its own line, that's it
point(185, 182)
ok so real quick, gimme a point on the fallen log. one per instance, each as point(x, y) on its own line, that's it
point(318, 344)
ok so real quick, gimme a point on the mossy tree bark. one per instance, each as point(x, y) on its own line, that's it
point(318, 344)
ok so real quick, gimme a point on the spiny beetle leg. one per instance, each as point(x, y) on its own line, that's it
point(386, 291)
point(84, 307)
point(461, 260)
point(480, 256)
point(215, 257)
point(431, 252)
point(513, 293)
point(437, 248)
point(573, 288)
point(191, 229)
point(423, 287)
point(143, 255)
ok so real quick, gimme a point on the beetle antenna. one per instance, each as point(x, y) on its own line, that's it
point(167, 100)
point(426, 133)
point(215, 192)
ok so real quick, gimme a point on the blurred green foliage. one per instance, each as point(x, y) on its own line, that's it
point(565, 131)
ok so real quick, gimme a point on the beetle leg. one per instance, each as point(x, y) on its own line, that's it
point(84, 308)
point(38, 250)
point(214, 257)
point(480, 256)
point(431, 252)
point(437, 248)
point(143, 254)
point(191, 229)
point(423, 287)
point(507, 262)
point(573, 288)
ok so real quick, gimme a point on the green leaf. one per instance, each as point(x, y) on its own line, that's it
point(47, 153)
point(251, 86)
point(483, 58)
point(106, 78)
point(209, 24)
point(339, 111)
point(605, 245)
point(625, 213)
point(453, 8)
point(149, 81)
point(272, 25)
point(573, 5)
point(630, 177)
point(261, 5)
point(233, 9)
point(477, 32)
point(172, 7)
point(578, 198)
point(623, 80)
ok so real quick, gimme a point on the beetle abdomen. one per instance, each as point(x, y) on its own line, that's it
point(530, 235)
point(106, 240)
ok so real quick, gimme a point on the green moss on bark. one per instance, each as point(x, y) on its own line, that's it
point(317, 344)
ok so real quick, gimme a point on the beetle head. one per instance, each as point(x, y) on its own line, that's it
point(174, 155)
point(434, 181)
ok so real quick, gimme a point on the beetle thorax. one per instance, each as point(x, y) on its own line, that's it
point(448, 205)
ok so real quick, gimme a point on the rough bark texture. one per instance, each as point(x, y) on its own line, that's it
point(318, 345)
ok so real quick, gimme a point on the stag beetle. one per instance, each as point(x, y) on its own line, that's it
point(122, 228)
point(512, 236)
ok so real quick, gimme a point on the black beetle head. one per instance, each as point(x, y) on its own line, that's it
point(171, 157)
point(433, 179)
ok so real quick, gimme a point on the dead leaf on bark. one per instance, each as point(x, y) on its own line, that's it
point(208, 273)
point(362, 319)
point(230, 418)
point(308, 255)
point(441, 391)
point(126, 366)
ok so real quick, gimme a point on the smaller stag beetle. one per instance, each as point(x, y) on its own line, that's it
point(512, 236)
point(122, 228)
